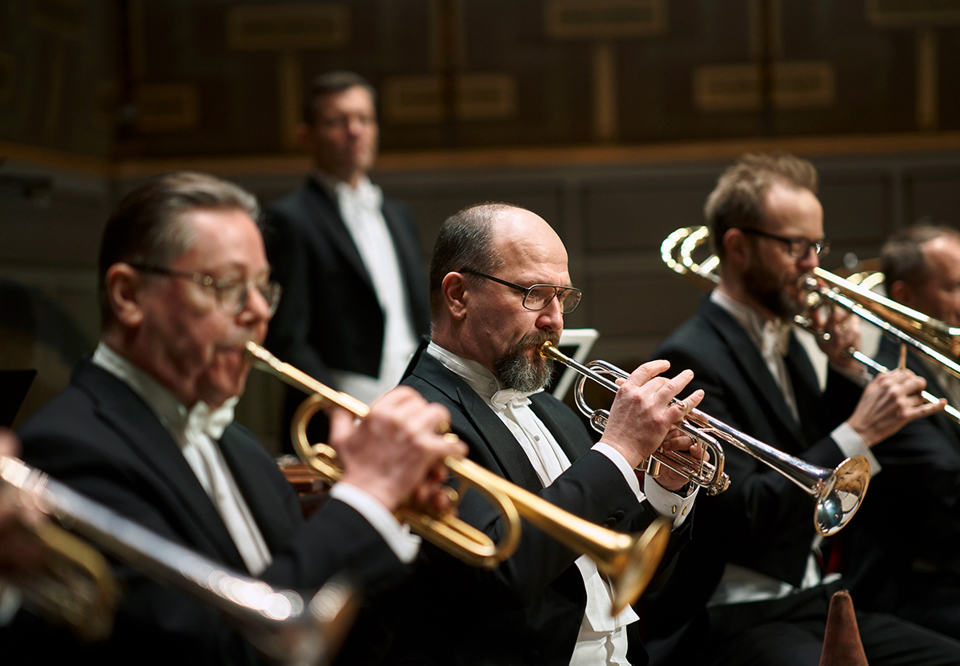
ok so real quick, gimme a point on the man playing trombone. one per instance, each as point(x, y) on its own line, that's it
point(145, 429)
point(499, 288)
point(754, 586)
point(917, 578)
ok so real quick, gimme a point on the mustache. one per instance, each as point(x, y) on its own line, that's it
point(538, 338)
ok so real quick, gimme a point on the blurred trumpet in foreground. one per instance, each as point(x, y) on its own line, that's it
point(286, 628)
point(628, 560)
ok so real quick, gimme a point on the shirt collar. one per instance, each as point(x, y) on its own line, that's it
point(175, 416)
point(769, 336)
point(480, 379)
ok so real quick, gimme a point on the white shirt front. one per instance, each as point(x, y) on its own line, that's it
point(207, 463)
point(189, 429)
point(361, 210)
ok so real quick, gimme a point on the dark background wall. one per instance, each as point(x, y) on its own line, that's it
point(610, 118)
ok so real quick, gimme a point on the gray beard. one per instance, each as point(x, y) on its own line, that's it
point(519, 373)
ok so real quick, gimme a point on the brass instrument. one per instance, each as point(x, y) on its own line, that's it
point(838, 492)
point(927, 335)
point(628, 560)
point(282, 625)
point(72, 584)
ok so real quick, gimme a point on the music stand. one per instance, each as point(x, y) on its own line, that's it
point(14, 385)
point(575, 343)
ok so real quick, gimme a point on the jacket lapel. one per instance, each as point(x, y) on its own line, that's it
point(256, 476)
point(485, 423)
point(326, 213)
point(745, 354)
point(149, 440)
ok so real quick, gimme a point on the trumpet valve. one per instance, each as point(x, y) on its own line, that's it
point(650, 467)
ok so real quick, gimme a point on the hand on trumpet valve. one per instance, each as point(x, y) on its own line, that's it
point(889, 402)
point(685, 445)
point(396, 452)
point(644, 410)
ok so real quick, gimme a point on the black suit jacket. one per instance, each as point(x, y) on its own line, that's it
point(329, 315)
point(529, 610)
point(99, 437)
point(919, 487)
point(763, 521)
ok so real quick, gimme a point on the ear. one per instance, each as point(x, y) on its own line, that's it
point(304, 136)
point(123, 289)
point(737, 247)
point(902, 293)
point(455, 292)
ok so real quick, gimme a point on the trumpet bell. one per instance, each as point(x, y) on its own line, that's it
point(841, 495)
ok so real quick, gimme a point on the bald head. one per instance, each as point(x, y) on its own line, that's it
point(486, 257)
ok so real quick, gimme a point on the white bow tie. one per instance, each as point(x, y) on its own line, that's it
point(775, 338)
point(511, 398)
point(365, 195)
point(212, 423)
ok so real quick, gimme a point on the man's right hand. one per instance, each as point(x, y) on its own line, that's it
point(642, 413)
point(397, 450)
point(889, 402)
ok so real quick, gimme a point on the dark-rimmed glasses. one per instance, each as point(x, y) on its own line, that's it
point(538, 296)
point(232, 295)
point(798, 248)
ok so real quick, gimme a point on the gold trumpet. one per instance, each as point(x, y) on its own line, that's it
point(628, 560)
point(286, 628)
point(839, 492)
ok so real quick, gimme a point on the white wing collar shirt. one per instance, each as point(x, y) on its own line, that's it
point(196, 431)
point(602, 638)
point(362, 213)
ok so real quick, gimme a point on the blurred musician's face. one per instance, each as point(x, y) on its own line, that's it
point(939, 295)
point(343, 139)
point(501, 334)
point(772, 274)
point(186, 339)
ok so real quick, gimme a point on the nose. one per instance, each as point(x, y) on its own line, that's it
point(551, 317)
point(809, 261)
point(257, 307)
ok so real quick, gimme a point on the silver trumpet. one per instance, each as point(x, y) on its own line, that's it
point(838, 492)
point(286, 628)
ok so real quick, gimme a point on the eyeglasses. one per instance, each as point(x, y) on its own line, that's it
point(538, 296)
point(232, 295)
point(798, 247)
